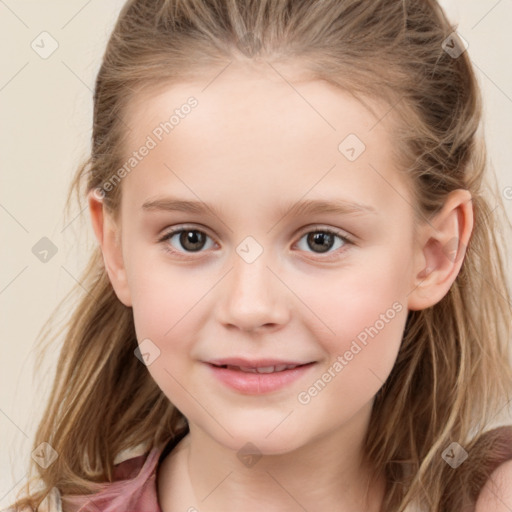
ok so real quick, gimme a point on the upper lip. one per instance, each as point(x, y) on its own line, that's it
point(255, 363)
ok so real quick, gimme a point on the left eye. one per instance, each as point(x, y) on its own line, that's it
point(324, 239)
point(194, 240)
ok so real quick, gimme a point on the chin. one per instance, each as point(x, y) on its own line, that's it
point(256, 438)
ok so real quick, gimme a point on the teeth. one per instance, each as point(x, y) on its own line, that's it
point(265, 369)
point(243, 368)
point(262, 369)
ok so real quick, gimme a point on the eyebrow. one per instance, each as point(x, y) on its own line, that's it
point(304, 207)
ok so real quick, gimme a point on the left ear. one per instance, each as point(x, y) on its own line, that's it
point(440, 251)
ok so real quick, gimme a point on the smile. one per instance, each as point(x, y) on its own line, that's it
point(258, 380)
point(261, 369)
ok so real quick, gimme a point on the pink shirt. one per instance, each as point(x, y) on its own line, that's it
point(134, 488)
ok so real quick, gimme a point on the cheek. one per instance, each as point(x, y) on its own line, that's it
point(163, 293)
point(165, 311)
point(168, 306)
point(346, 302)
point(360, 316)
point(360, 355)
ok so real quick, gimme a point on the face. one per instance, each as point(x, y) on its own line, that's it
point(253, 274)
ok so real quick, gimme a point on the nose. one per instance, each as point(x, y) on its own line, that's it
point(253, 297)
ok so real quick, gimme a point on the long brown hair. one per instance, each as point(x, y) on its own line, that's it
point(452, 374)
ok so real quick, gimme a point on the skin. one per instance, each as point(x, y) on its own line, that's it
point(251, 146)
point(496, 494)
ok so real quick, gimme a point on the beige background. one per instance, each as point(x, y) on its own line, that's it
point(46, 126)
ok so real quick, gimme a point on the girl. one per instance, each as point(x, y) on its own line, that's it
point(298, 300)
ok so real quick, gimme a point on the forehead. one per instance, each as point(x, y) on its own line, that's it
point(261, 130)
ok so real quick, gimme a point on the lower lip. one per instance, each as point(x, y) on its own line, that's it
point(259, 383)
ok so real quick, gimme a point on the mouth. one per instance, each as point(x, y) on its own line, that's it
point(261, 369)
point(256, 378)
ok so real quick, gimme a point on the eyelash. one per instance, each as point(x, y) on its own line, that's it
point(331, 255)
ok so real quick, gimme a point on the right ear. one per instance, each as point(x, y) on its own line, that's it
point(109, 237)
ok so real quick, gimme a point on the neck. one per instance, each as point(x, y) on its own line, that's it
point(326, 474)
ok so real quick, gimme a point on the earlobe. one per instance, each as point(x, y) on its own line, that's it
point(107, 233)
point(441, 250)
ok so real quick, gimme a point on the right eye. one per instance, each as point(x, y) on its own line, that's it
point(191, 240)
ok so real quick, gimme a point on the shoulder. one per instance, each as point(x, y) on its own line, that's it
point(496, 491)
point(132, 487)
point(496, 495)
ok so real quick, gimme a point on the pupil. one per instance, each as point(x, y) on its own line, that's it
point(325, 241)
point(189, 239)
